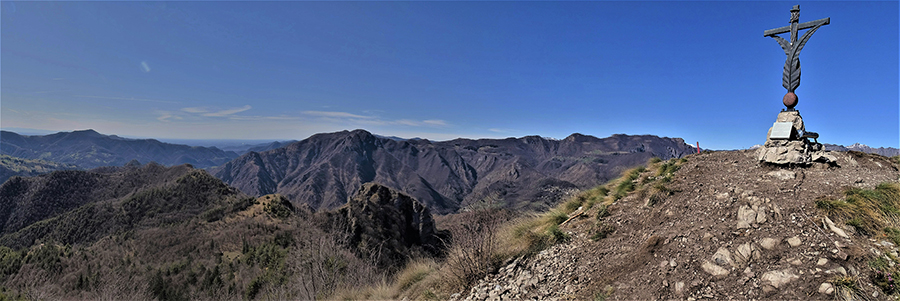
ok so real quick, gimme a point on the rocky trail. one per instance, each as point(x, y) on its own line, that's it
point(730, 229)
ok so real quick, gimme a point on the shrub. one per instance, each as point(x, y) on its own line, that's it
point(474, 245)
point(601, 231)
point(10, 261)
point(557, 235)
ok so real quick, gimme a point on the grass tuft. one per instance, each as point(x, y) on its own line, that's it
point(870, 211)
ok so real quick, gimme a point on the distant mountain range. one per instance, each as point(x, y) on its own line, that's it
point(884, 151)
point(325, 169)
point(89, 149)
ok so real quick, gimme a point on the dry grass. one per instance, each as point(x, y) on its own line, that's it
point(871, 212)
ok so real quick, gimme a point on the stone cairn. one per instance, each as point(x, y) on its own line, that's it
point(787, 142)
point(796, 149)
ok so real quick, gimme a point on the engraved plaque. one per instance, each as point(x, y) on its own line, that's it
point(782, 130)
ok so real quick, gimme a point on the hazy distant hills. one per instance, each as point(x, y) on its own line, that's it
point(89, 149)
point(884, 151)
point(323, 170)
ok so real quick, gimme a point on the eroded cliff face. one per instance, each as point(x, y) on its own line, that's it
point(730, 229)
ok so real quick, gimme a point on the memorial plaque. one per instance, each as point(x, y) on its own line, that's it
point(782, 130)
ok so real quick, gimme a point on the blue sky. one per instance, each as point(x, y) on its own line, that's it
point(701, 71)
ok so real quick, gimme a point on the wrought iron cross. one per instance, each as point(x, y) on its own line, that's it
point(791, 75)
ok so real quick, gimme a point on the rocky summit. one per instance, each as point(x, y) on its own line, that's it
point(388, 226)
point(730, 228)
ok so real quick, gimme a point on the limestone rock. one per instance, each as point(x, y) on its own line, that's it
point(826, 288)
point(769, 243)
point(822, 157)
point(835, 229)
point(745, 254)
point(723, 257)
point(794, 241)
point(760, 214)
point(746, 216)
point(784, 152)
point(782, 174)
point(779, 277)
point(792, 117)
point(714, 269)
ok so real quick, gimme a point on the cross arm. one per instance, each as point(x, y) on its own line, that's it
point(801, 26)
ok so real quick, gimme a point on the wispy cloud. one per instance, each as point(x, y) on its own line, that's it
point(496, 130)
point(166, 116)
point(281, 117)
point(195, 110)
point(125, 98)
point(227, 112)
point(435, 122)
point(145, 67)
point(418, 123)
point(332, 114)
point(372, 119)
point(408, 122)
point(193, 113)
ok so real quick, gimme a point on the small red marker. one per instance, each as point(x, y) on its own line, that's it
point(698, 147)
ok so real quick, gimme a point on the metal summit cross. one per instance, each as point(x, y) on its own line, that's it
point(791, 76)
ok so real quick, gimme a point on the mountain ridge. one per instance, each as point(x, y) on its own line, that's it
point(90, 149)
point(324, 169)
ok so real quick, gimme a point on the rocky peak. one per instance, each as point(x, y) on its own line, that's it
point(381, 219)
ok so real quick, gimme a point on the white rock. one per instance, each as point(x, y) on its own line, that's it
point(679, 287)
point(714, 269)
point(822, 261)
point(779, 277)
point(840, 232)
point(769, 243)
point(746, 216)
point(826, 288)
point(723, 257)
point(794, 241)
point(761, 215)
point(745, 253)
point(839, 270)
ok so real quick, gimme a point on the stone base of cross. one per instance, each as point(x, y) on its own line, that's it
point(787, 143)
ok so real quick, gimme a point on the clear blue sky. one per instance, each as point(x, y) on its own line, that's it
point(285, 70)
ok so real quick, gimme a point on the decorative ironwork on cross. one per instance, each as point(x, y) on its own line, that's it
point(791, 76)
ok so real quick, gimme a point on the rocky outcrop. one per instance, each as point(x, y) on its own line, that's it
point(387, 225)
